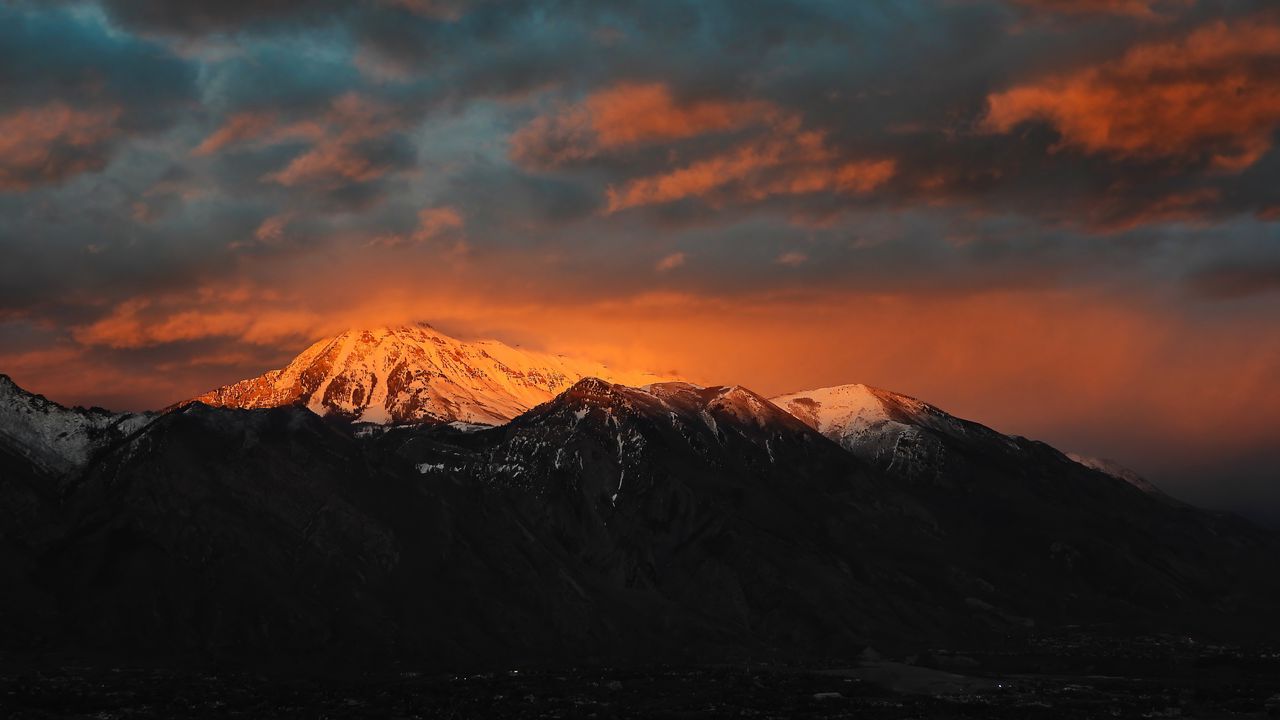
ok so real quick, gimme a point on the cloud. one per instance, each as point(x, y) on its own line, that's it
point(236, 129)
point(272, 229)
point(236, 315)
point(258, 128)
point(434, 222)
point(358, 144)
point(1210, 98)
point(670, 262)
point(792, 259)
point(72, 96)
point(786, 161)
point(50, 143)
point(440, 227)
point(624, 115)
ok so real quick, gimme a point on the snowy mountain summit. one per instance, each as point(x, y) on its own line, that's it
point(413, 374)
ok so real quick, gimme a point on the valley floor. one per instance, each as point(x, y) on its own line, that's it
point(1059, 677)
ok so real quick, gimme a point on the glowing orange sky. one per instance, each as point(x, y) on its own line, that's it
point(1053, 365)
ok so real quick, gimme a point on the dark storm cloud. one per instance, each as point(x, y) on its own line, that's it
point(70, 94)
point(285, 78)
point(60, 55)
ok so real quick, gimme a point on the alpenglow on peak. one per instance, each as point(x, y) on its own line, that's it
point(414, 374)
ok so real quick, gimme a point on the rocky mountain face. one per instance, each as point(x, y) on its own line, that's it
point(415, 374)
point(608, 523)
point(54, 439)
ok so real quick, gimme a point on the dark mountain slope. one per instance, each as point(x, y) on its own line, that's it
point(251, 533)
point(1064, 540)
point(719, 500)
point(609, 524)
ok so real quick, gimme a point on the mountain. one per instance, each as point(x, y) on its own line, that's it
point(907, 437)
point(1118, 471)
point(414, 374)
point(44, 447)
point(610, 523)
point(54, 439)
point(713, 510)
point(1107, 546)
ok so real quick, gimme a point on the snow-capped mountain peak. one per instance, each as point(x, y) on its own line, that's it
point(415, 373)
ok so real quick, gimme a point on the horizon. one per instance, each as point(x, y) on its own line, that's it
point(1060, 222)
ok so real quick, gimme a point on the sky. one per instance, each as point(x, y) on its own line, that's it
point(1060, 218)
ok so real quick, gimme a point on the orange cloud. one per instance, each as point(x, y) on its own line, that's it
point(327, 162)
point(237, 128)
point(270, 232)
point(233, 313)
point(334, 157)
point(670, 262)
point(1190, 206)
point(272, 229)
point(787, 161)
point(625, 115)
point(46, 144)
point(630, 114)
point(1211, 96)
point(257, 127)
point(781, 157)
point(439, 226)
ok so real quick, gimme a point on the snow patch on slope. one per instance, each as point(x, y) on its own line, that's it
point(840, 410)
